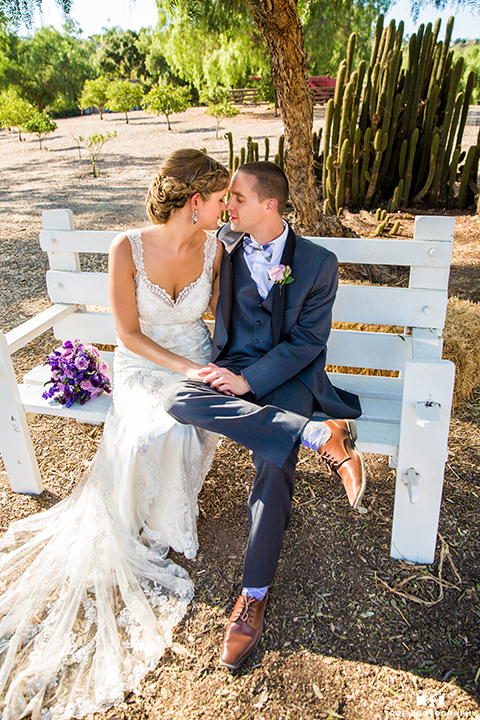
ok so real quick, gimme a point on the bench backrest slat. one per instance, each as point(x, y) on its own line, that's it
point(348, 348)
point(88, 327)
point(388, 252)
point(434, 254)
point(354, 303)
point(89, 241)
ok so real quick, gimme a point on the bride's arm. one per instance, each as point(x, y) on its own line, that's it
point(121, 285)
point(216, 277)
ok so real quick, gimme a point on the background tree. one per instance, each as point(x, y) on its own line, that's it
point(218, 104)
point(18, 11)
point(95, 93)
point(327, 25)
point(48, 69)
point(417, 5)
point(123, 96)
point(279, 24)
point(14, 111)
point(151, 42)
point(166, 99)
point(41, 124)
point(94, 144)
point(212, 43)
point(470, 51)
point(122, 55)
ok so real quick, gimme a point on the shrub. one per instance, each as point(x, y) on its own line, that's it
point(165, 99)
point(95, 93)
point(123, 96)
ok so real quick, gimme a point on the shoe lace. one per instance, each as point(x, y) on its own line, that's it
point(331, 462)
point(243, 612)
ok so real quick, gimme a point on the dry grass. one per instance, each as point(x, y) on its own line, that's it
point(462, 346)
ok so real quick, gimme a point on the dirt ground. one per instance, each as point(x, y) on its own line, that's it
point(342, 640)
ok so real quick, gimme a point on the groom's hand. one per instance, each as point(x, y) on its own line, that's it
point(224, 380)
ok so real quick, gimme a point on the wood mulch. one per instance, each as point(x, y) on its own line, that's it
point(350, 633)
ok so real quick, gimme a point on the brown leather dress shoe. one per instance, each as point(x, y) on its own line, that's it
point(244, 631)
point(344, 460)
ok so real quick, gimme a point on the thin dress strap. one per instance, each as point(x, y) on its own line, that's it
point(210, 252)
point(135, 237)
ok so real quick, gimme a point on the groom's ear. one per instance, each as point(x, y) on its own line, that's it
point(271, 205)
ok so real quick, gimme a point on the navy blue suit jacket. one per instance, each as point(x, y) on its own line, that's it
point(301, 323)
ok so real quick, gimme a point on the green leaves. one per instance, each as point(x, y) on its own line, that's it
point(94, 144)
point(165, 99)
point(41, 124)
point(123, 96)
point(95, 92)
point(14, 111)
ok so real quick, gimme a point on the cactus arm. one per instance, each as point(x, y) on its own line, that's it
point(433, 158)
point(409, 168)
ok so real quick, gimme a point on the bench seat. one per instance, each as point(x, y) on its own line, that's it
point(406, 412)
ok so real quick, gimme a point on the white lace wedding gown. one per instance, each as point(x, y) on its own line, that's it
point(87, 604)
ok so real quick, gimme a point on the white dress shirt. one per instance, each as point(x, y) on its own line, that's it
point(259, 265)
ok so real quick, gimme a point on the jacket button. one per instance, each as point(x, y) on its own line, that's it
point(258, 322)
point(256, 341)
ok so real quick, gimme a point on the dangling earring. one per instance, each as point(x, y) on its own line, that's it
point(194, 217)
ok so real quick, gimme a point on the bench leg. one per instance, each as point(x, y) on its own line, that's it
point(15, 441)
point(422, 455)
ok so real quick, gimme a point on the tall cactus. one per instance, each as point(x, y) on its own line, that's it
point(404, 122)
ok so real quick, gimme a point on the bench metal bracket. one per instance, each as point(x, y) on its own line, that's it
point(411, 479)
point(427, 413)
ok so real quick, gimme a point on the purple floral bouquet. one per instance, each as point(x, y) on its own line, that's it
point(78, 374)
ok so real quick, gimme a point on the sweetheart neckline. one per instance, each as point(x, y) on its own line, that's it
point(161, 291)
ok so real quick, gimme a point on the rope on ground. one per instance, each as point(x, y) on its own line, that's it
point(426, 577)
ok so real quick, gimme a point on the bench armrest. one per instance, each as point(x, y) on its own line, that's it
point(29, 330)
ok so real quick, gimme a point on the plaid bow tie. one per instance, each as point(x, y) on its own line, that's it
point(250, 246)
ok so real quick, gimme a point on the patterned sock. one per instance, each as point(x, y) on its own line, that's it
point(315, 434)
point(258, 593)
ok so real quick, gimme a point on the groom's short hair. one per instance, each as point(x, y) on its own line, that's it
point(270, 182)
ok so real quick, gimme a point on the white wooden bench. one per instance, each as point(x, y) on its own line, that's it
point(405, 417)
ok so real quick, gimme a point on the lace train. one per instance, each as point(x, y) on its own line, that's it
point(87, 604)
point(87, 609)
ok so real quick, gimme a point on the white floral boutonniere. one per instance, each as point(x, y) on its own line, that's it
point(281, 275)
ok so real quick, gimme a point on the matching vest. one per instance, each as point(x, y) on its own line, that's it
point(250, 333)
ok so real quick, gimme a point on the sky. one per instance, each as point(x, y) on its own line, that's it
point(94, 15)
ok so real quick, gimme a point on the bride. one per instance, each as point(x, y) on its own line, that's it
point(88, 599)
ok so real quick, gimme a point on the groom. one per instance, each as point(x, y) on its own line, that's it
point(267, 377)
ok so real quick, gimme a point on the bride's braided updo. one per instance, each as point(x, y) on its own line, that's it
point(183, 174)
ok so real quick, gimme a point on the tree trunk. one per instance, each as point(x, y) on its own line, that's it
point(279, 25)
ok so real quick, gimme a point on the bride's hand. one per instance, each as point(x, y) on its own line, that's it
point(192, 373)
point(224, 380)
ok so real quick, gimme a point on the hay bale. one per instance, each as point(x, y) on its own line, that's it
point(461, 345)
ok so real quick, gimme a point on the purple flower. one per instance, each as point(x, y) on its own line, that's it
point(82, 362)
point(92, 350)
point(281, 274)
point(77, 374)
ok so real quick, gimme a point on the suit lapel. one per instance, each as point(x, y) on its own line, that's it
point(279, 291)
point(225, 300)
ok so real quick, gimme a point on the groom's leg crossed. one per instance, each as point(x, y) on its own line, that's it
point(265, 429)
